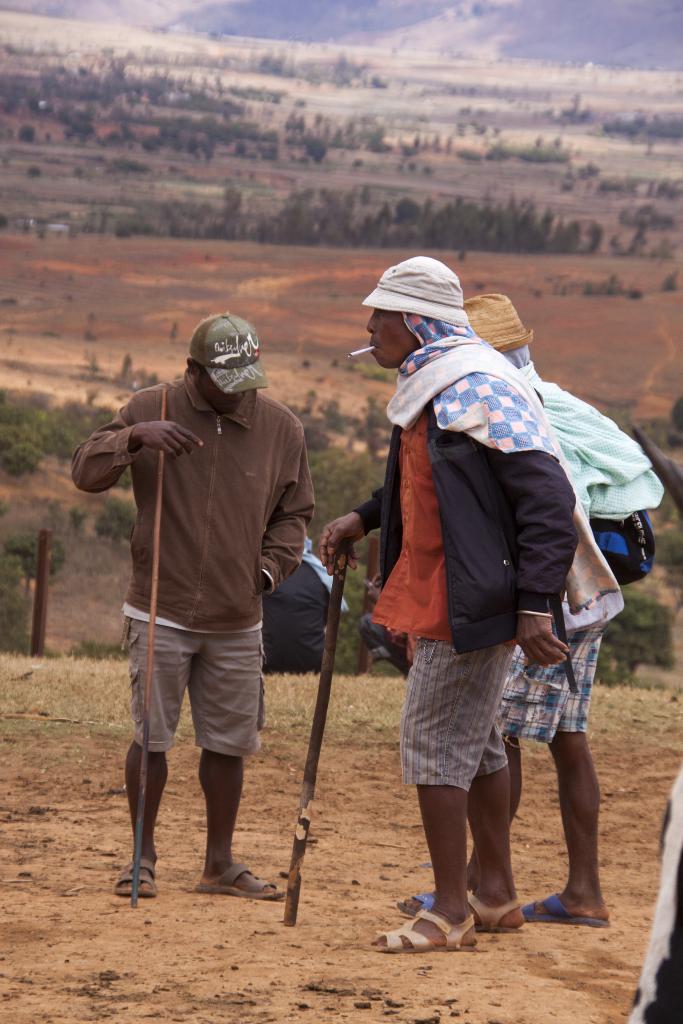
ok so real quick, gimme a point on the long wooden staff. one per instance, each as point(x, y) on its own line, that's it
point(316, 740)
point(142, 787)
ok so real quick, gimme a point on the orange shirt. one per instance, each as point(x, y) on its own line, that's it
point(414, 600)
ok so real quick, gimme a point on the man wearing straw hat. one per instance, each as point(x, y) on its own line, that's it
point(612, 478)
point(237, 498)
point(476, 541)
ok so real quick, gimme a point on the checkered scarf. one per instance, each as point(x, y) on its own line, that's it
point(474, 389)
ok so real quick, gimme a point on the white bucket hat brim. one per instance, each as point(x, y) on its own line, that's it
point(397, 302)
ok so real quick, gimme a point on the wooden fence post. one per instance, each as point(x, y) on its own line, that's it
point(40, 594)
point(364, 659)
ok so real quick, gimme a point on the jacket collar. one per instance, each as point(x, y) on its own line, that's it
point(243, 414)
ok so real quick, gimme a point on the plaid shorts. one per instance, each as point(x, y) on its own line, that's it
point(537, 702)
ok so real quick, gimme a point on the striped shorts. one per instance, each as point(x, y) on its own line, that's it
point(537, 702)
point(449, 733)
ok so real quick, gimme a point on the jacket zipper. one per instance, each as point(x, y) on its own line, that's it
point(219, 428)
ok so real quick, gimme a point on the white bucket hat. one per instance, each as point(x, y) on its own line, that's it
point(420, 285)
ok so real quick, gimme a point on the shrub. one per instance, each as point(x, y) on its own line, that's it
point(641, 635)
point(27, 133)
point(342, 481)
point(677, 414)
point(116, 520)
point(77, 517)
point(670, 554)
point(18, 457)
point(125, 165)
point(670, 282)
point(97, 649)
point(315, 148)
point(14, 607)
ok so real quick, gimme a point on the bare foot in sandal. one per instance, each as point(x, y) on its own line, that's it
point(238, 880)
point(505, 917)
point(429, 931)
point(147, 888)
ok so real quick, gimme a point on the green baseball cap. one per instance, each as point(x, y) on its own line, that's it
point(228, 347)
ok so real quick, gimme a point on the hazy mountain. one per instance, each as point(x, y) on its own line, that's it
point(637, 32)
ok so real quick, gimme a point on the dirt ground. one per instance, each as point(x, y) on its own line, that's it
point(72, 310)
point(72, 952)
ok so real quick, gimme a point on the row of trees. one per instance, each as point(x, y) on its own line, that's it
point(656, 126)
point(346, 219)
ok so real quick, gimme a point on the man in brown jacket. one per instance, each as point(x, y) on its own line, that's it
point(237, 500)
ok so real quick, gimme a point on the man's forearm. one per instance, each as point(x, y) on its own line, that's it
point(97, 464)
point(370, 511)
point(282, 548)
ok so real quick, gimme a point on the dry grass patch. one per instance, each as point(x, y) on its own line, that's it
point(95, 692)
point(363, 709)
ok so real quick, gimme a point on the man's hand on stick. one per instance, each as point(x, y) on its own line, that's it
point(349, 527)
point(163, 436)
point(536, 638)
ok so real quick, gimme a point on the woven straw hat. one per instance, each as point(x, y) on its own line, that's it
point(420, 285)
point(496, 320)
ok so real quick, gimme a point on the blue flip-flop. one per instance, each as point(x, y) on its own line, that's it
point(425, 898)
point(557, 913)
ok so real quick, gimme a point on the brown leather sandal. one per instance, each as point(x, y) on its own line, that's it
point(147, 888)
point(225, 885)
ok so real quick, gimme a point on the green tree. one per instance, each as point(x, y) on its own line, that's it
point(315, 148)
point(14, 606)
point(116, 520)
point(24, 548)
point(641, 635)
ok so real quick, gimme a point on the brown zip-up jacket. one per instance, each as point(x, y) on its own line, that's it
point(236, 506)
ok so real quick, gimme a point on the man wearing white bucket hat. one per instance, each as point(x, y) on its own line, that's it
point(477, 539)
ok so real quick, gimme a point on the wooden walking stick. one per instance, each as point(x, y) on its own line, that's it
point(316, 741)
point(142, 787)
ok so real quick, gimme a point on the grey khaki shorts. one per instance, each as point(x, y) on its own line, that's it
point(449, 732)
point(222, 673)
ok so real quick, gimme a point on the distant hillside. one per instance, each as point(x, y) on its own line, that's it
point(641, 33)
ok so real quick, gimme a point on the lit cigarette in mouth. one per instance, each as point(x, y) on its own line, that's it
point(361, 351)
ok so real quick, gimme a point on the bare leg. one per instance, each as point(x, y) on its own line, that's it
point(580, 805)
point(444, 817)
point(221, 779)
point(489, 810)
point(157, 773)
point(444, 810)
point(514, 754)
